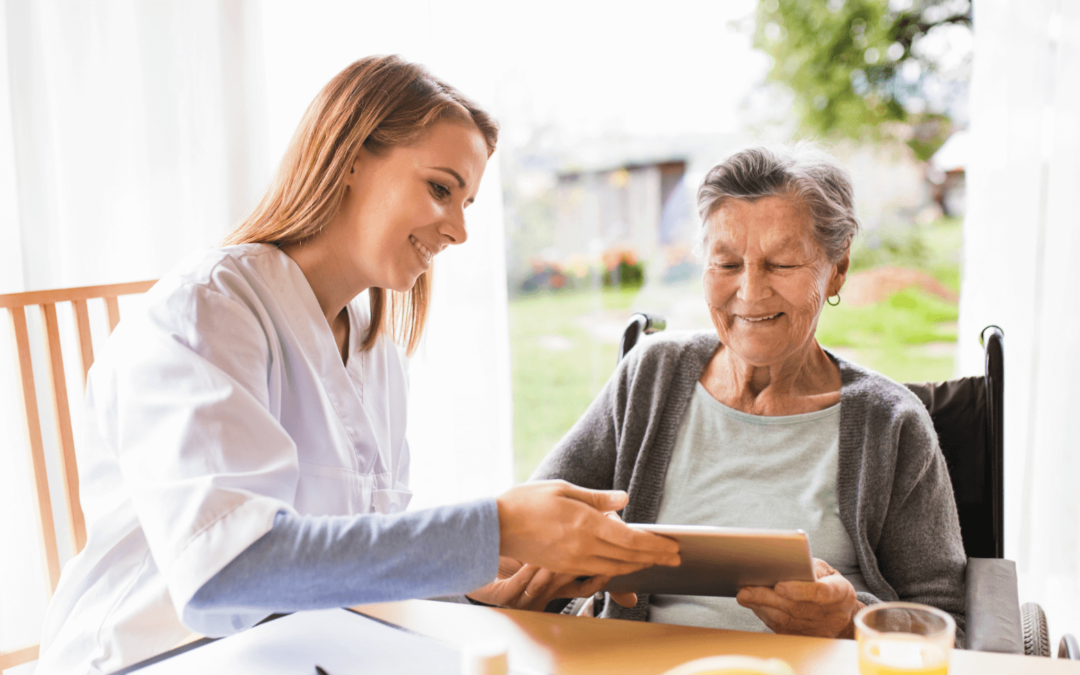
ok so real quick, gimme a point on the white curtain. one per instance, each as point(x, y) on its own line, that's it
point(1021, 247)
point(138, 135)
point(132, 133)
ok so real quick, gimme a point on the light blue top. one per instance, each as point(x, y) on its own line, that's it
point(317, 562)
point(733, 469)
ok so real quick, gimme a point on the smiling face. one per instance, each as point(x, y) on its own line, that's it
point(766, 278)
point(406, 204)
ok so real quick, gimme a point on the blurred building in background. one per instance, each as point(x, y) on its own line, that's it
point(606, 205)
point(580, 209)
point(642, 206)
point(613, 216)
point(947, 174)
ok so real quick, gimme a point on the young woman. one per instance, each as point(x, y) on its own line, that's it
point(245, 450)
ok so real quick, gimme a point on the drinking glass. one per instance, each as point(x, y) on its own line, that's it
point(904, 638)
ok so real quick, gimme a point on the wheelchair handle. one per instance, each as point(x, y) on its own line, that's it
point(653, 323)
point(638, 325)
point(997, 331)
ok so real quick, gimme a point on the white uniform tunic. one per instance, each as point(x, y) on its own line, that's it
point(222, 403)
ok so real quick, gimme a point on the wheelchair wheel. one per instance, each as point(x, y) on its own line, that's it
point(1069, 648)
point(1036, 635)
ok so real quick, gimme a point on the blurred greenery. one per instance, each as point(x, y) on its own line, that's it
point(628, 273)
point(853, 66)
point(552, 387)
point(899, 337)
point(910, 317)
point(932, 248)
point(558, 365)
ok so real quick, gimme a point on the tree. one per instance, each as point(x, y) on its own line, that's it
point(860, 68)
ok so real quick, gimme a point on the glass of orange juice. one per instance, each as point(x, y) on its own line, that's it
point(904, 638)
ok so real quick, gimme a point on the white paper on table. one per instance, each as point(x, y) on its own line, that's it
point(339, 641)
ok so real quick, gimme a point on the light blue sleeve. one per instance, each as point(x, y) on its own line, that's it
point(318, 562)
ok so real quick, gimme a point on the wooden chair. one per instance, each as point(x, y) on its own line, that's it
point(46, 301)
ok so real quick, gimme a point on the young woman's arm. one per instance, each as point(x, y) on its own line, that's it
point(316, 562)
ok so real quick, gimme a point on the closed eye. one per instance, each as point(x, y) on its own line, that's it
point(439, 190)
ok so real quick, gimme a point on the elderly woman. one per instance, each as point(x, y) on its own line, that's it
point(756, 425)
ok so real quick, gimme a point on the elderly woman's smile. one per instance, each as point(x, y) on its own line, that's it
point(759, 319)
point(766, 278)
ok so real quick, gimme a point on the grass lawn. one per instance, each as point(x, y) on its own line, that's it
point(557, 366)
point(907, 337)
point(560, 361)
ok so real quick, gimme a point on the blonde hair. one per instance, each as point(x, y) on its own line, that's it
point(376, 103)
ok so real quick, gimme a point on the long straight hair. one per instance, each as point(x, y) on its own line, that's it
point(376, 103)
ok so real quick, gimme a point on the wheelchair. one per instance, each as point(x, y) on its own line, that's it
point(968, 417)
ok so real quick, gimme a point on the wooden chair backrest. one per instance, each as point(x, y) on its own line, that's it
point(46, 301)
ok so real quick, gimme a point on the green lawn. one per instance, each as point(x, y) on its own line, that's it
point(905, 337)
point(559, 365)
point(552, 387)
point(909, 335)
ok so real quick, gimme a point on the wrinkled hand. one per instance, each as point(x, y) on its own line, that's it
point(562, 527)
point(822, 608)
point(521, 586)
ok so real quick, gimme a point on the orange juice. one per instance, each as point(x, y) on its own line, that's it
point(902, 654)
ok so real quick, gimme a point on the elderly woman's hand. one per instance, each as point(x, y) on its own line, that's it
point(822, 608)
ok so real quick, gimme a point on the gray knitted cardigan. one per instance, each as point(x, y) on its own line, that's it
point(892, 485)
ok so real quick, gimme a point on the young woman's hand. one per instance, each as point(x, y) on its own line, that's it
point(627, 600)
point(521, 586)
point(822, 608)
point(563, 528)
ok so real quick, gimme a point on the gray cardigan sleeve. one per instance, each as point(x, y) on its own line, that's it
point(920, 551)
point(587, 454)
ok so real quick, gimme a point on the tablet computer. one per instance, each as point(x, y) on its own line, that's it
point(718, 561)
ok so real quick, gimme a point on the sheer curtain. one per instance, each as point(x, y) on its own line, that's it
point(138, 135)
point(1021, 246)
point(132, 133)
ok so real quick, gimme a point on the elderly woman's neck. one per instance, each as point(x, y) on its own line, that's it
point(806, 381)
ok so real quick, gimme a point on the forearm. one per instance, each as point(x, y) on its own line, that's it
point(308, 562)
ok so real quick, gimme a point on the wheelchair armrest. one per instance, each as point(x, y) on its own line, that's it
point(993, 606)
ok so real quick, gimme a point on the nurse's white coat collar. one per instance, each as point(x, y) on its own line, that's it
point(317, 341)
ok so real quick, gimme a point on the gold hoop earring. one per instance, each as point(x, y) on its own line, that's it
point(833, 304)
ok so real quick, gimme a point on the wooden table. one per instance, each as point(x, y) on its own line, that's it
point(568, 645)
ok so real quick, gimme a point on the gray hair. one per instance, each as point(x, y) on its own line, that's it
point(803, 172)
